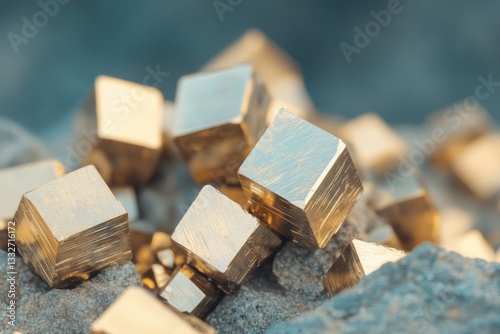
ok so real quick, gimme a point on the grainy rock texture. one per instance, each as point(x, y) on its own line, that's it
point(40, 309)
point(282, 289)
point(429, 291)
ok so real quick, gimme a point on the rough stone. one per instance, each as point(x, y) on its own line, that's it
point(41, 309)
point(429, 291)
point(282, 289)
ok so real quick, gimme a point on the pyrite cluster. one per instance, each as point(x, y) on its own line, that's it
point(270, 170)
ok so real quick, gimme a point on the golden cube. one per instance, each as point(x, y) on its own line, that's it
point(71, 227)
point(222, 240)
point(219, 118)
point(375, 145)
point(124, 128)
point(138, 311)
point(478, 167)
point(357, 260)
point(190, 292)
point(300, 181)
point(407, 206)
point(278, 71)
point(454, 128)
point(15, 181)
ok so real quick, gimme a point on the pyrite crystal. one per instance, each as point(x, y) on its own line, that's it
point(357, 260)
point(219, 118)
point(407, 206)
point(124, 126)
point(190, 292)
point(478, 167)
point(71, 227)
point(138, 311)
point(222, 240)
point(15, 181)
point(280, 73)
point(375, 145)
point(300, 181)
point(454, 128)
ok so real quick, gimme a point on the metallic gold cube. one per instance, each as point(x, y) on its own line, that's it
point(472, 244)
point(126, 196)
point(278, 70)
point(406, 204)
point(71, 227)
point(357, 260)
point(138, 311)
point(190, 292)
point(222, 240)
point(478, 167)
point(300, 181)
point(375, 145)
point(15, 181)
point(219, 117)
point(453, 128)
point(124, 128)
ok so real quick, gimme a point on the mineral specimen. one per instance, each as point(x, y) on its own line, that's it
point(300, 181)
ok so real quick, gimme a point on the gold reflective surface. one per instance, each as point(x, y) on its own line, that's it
point(71, 227)
point(222, 240)
point(219, 118)
point(138, 311)
point(300, 181)
point(189, 291)
point(124, 121)
point(357, 260)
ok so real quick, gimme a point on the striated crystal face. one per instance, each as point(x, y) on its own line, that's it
point(138, 311)
point(124, 126)
point(71, 227)
point(190, 292)
point(357, 260)
point(300, 181)
point(219, 117)
point(222, 240)
point(18, 180)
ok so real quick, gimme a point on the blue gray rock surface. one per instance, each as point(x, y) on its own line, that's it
point(429, 291)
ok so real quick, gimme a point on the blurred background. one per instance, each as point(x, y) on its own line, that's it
point(427, 57)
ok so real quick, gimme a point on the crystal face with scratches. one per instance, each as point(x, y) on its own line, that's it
point(189, 291)
point(408, 207)
point(219, 118)
point(15, 181)
point(123, 122)
point(71, 227)
point(357, 260)
point(137, 311)
point(300, 181)
point(222, 240)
